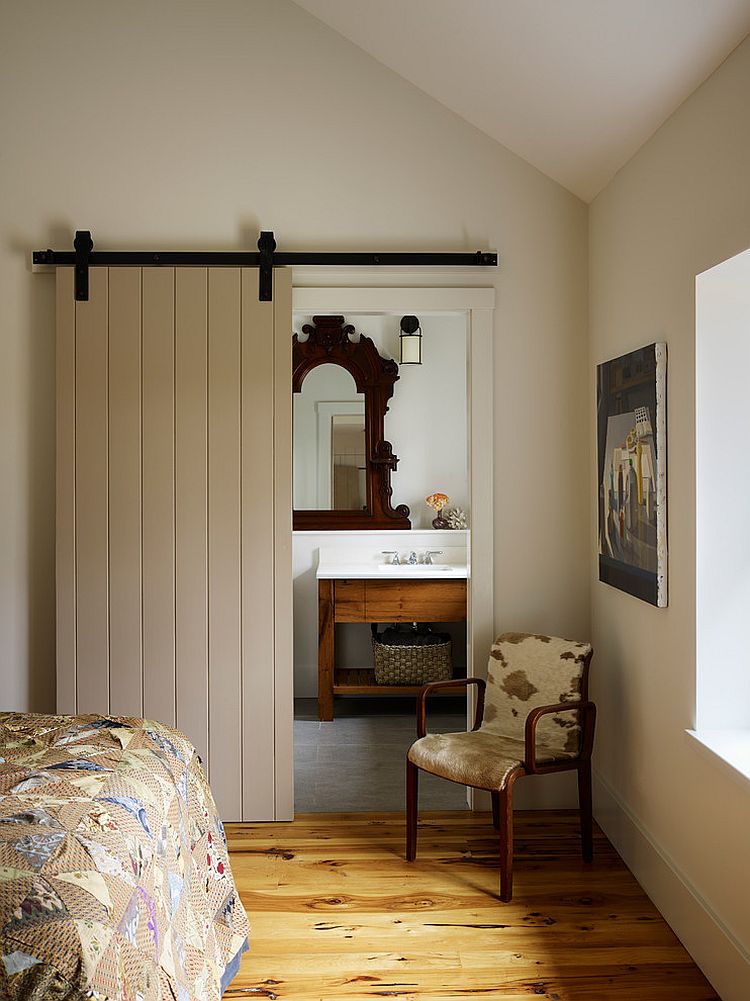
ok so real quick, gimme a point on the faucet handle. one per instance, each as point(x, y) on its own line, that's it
point(430, 553)
point(391, 552)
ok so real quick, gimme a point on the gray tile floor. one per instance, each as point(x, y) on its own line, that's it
point(357, 762)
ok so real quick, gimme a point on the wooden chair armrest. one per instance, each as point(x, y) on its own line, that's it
point(587, 709)
point(455, 683)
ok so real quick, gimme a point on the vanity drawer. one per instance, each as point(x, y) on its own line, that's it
point(349, 601)
point(416, 601)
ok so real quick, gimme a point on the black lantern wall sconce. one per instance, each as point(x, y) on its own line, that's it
point(410, 341)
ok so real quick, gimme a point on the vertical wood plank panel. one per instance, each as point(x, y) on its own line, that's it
point(65, 514)
point(191, 564)
point(282, 467)
point(92, 612)
point(224, 540)
point(257, 552)
point(125, 664)
point(159, 680)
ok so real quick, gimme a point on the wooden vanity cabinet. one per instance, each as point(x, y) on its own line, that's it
point(358, 600)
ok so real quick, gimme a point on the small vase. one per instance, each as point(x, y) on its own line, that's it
point(440, 521)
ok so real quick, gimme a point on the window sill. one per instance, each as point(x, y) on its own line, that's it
point(730, 748)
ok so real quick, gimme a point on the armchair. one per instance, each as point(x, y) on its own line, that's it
point(533, 717)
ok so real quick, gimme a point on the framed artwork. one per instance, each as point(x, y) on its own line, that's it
point(631, 406)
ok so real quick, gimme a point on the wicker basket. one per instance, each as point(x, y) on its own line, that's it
point(411, 665)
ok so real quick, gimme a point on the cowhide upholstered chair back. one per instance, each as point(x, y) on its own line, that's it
point(526, 671)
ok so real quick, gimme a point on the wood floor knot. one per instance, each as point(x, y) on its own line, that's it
point(321, 903)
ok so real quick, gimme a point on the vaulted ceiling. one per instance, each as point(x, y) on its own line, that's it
point(573, 86)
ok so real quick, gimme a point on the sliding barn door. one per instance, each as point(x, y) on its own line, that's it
point(174, 516)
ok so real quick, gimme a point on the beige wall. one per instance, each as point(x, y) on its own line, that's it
point(679, 207)
point(183, 124)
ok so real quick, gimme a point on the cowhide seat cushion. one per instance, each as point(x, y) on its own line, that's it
point(525, 671)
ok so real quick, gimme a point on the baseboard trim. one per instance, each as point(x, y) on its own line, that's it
point(718, 952)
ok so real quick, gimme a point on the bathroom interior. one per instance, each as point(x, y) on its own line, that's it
point(363, 565)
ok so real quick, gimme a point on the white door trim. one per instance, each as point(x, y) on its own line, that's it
point(372, 299)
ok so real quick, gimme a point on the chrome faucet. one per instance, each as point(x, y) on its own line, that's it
point(392, 552)
point(429, 554)
point(413, 559)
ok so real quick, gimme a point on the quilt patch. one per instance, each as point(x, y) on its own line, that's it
point(114, 872)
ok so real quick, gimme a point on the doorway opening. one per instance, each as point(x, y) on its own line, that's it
point(362, 591)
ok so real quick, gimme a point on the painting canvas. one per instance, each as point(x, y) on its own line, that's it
point(631, 447)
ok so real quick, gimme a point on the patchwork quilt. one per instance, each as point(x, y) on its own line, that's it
point(114, 873)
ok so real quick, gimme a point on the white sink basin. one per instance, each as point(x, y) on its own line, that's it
point(415, 568)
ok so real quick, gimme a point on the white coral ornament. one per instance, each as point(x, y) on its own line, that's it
point(456, 518)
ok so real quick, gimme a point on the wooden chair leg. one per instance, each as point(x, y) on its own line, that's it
point(585, 810)
point(505, 804)
point(496, 810)
point(412, 809)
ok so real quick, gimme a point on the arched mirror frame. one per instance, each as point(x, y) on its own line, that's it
point(328, 342)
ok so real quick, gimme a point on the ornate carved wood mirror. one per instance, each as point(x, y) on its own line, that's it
point(342, 462)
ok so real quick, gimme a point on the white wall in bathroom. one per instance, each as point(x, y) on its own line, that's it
point(426, 419)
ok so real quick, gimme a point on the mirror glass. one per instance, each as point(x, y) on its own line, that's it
point(329, 442)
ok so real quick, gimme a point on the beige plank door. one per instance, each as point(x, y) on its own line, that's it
point(158, 495)
point(191, 504)
point(225, 534)
point(124, 485)
point(92, 497)
point(174, 516)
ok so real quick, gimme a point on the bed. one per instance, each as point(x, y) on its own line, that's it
point(115, 882)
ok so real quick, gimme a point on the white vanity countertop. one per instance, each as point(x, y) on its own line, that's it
point(347, 563)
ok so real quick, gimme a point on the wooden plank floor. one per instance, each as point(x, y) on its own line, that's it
point(337, 913)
